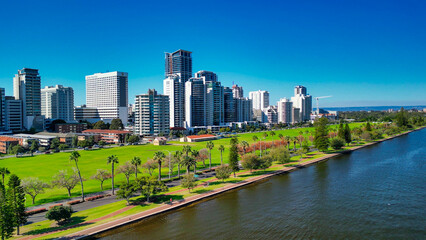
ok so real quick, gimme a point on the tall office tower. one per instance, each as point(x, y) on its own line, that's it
point(13, 117)
point(152, 112)
point(272, 114)
point(179, 62)
point(2, 110)
point(57, 102)
point(295, 115)
point(108, 92)
point(243, 109)
point(299, 90)
point(195, 102)
point(214, 98)
point(302, 101)
point(237, 91)
point(26, 87)
point(228, 105)
point(174, 87)
point(285, 107)
point(260, 99)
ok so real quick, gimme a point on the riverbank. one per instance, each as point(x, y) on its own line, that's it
point(203, 196)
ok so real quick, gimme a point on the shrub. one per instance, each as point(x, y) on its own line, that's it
point(250, 161)
point(60, 214)
point(281, 155)
point(337, 143)
point(223, 172)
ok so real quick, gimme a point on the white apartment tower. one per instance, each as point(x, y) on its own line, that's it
point(260, 99)
point(285, 107)
point(174, 87)
point(57, 102)
point(108, 93)
point(302, 101)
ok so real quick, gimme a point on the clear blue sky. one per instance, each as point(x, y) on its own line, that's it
point(362, 52)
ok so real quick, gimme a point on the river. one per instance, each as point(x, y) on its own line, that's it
point(378, 192)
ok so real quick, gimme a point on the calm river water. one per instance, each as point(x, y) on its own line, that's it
point(378, 192)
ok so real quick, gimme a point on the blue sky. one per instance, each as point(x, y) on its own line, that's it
point(364, 53)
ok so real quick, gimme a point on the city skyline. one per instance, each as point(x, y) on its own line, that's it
point(330, 48)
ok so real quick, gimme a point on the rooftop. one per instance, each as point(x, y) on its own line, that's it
point(201, 136)
point(7, 139)
point(105, 131)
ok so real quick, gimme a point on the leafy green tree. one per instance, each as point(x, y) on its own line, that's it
point(341, 131)
point(150, 166)
point(368, 127)
point(60, 214)
point(210, 146)
point(55, 143)
point(281, 155)
point(116, 124)
point(127, 169)
point(74, 141)
point(337, 143)
point(112, 160)
point(223, 172)
point(62, 147)
point(348, 135)
point(150, 186)
point(18, 149)
point(34, 146)
point(136, 161)
point(244, 145)
point(188, 182)
point(233, 156)
point(250, 161)
point(4, 171)
point(83, 143)
point(6, 215)
point(65, 180)
point(133, 139)
point(126, 191)
point(16, 196)
point(101, 175)
point(74, 156)
point(102, 143)
point(33, 187)
point(265, 162)
point(301, 152)
point(186, 150)
point(100, 125)
point(401, 118)
point(221, 149)
point(159, 156)
point(321, 140)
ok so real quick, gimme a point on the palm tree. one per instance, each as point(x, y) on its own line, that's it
point(280, 136)
point(186, 149)
point(210, 146)
point(195, 154)
point(272, 133)
point(74, 156)
point(178, 156)
point(221, 149)
point(245, 145)
point(136, 161)
point(159, 156)
point(287, 138)
point(187, 162)
point(4, 171)
point(255, 138)
point(113, 160)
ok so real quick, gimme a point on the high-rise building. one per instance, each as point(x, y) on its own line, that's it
point(26, 87)
point(108, 93)
point(302, 101)
point(295, 115)
point(57, 102)
point(195, 102)
point(260, 99)
point(237, 91)
point(13, 117)
point(179, 62)
point(2, 110)
point(285, 107)
point(85, 113)
point(174, 87)
point(229, 105)
point(272, 114)
point(243, 109)
point(152, 114)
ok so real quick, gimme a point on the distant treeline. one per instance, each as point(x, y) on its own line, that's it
point(380, 116)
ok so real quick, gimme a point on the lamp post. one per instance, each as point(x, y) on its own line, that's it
point(170, 163)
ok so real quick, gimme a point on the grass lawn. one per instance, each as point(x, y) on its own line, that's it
point(45, 166)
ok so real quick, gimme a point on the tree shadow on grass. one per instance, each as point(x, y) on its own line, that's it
point(72, 223)
point(257, 173)
point(200, 191)
point(220, 182)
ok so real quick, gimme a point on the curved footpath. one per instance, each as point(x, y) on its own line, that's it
point(193, 199)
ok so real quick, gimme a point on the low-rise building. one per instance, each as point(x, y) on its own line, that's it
point(198, 138)
point(6, 142)
point(70, 127)
point(159, 141)
point(109, 136)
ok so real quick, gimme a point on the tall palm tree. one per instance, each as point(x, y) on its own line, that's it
point(221, 149)
point(187, 162)
point(178, 158)
point(159, 156)
point(245, 145)
point(136, 161)
point(113, 160)
point(4, 171)
point(195, 154)
point(255, 138)
point(186, 149)
point(74, 156)
point(210, 146)
point(287, 138)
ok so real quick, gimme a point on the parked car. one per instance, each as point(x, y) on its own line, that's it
point(121, 145)
point(47, 152)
